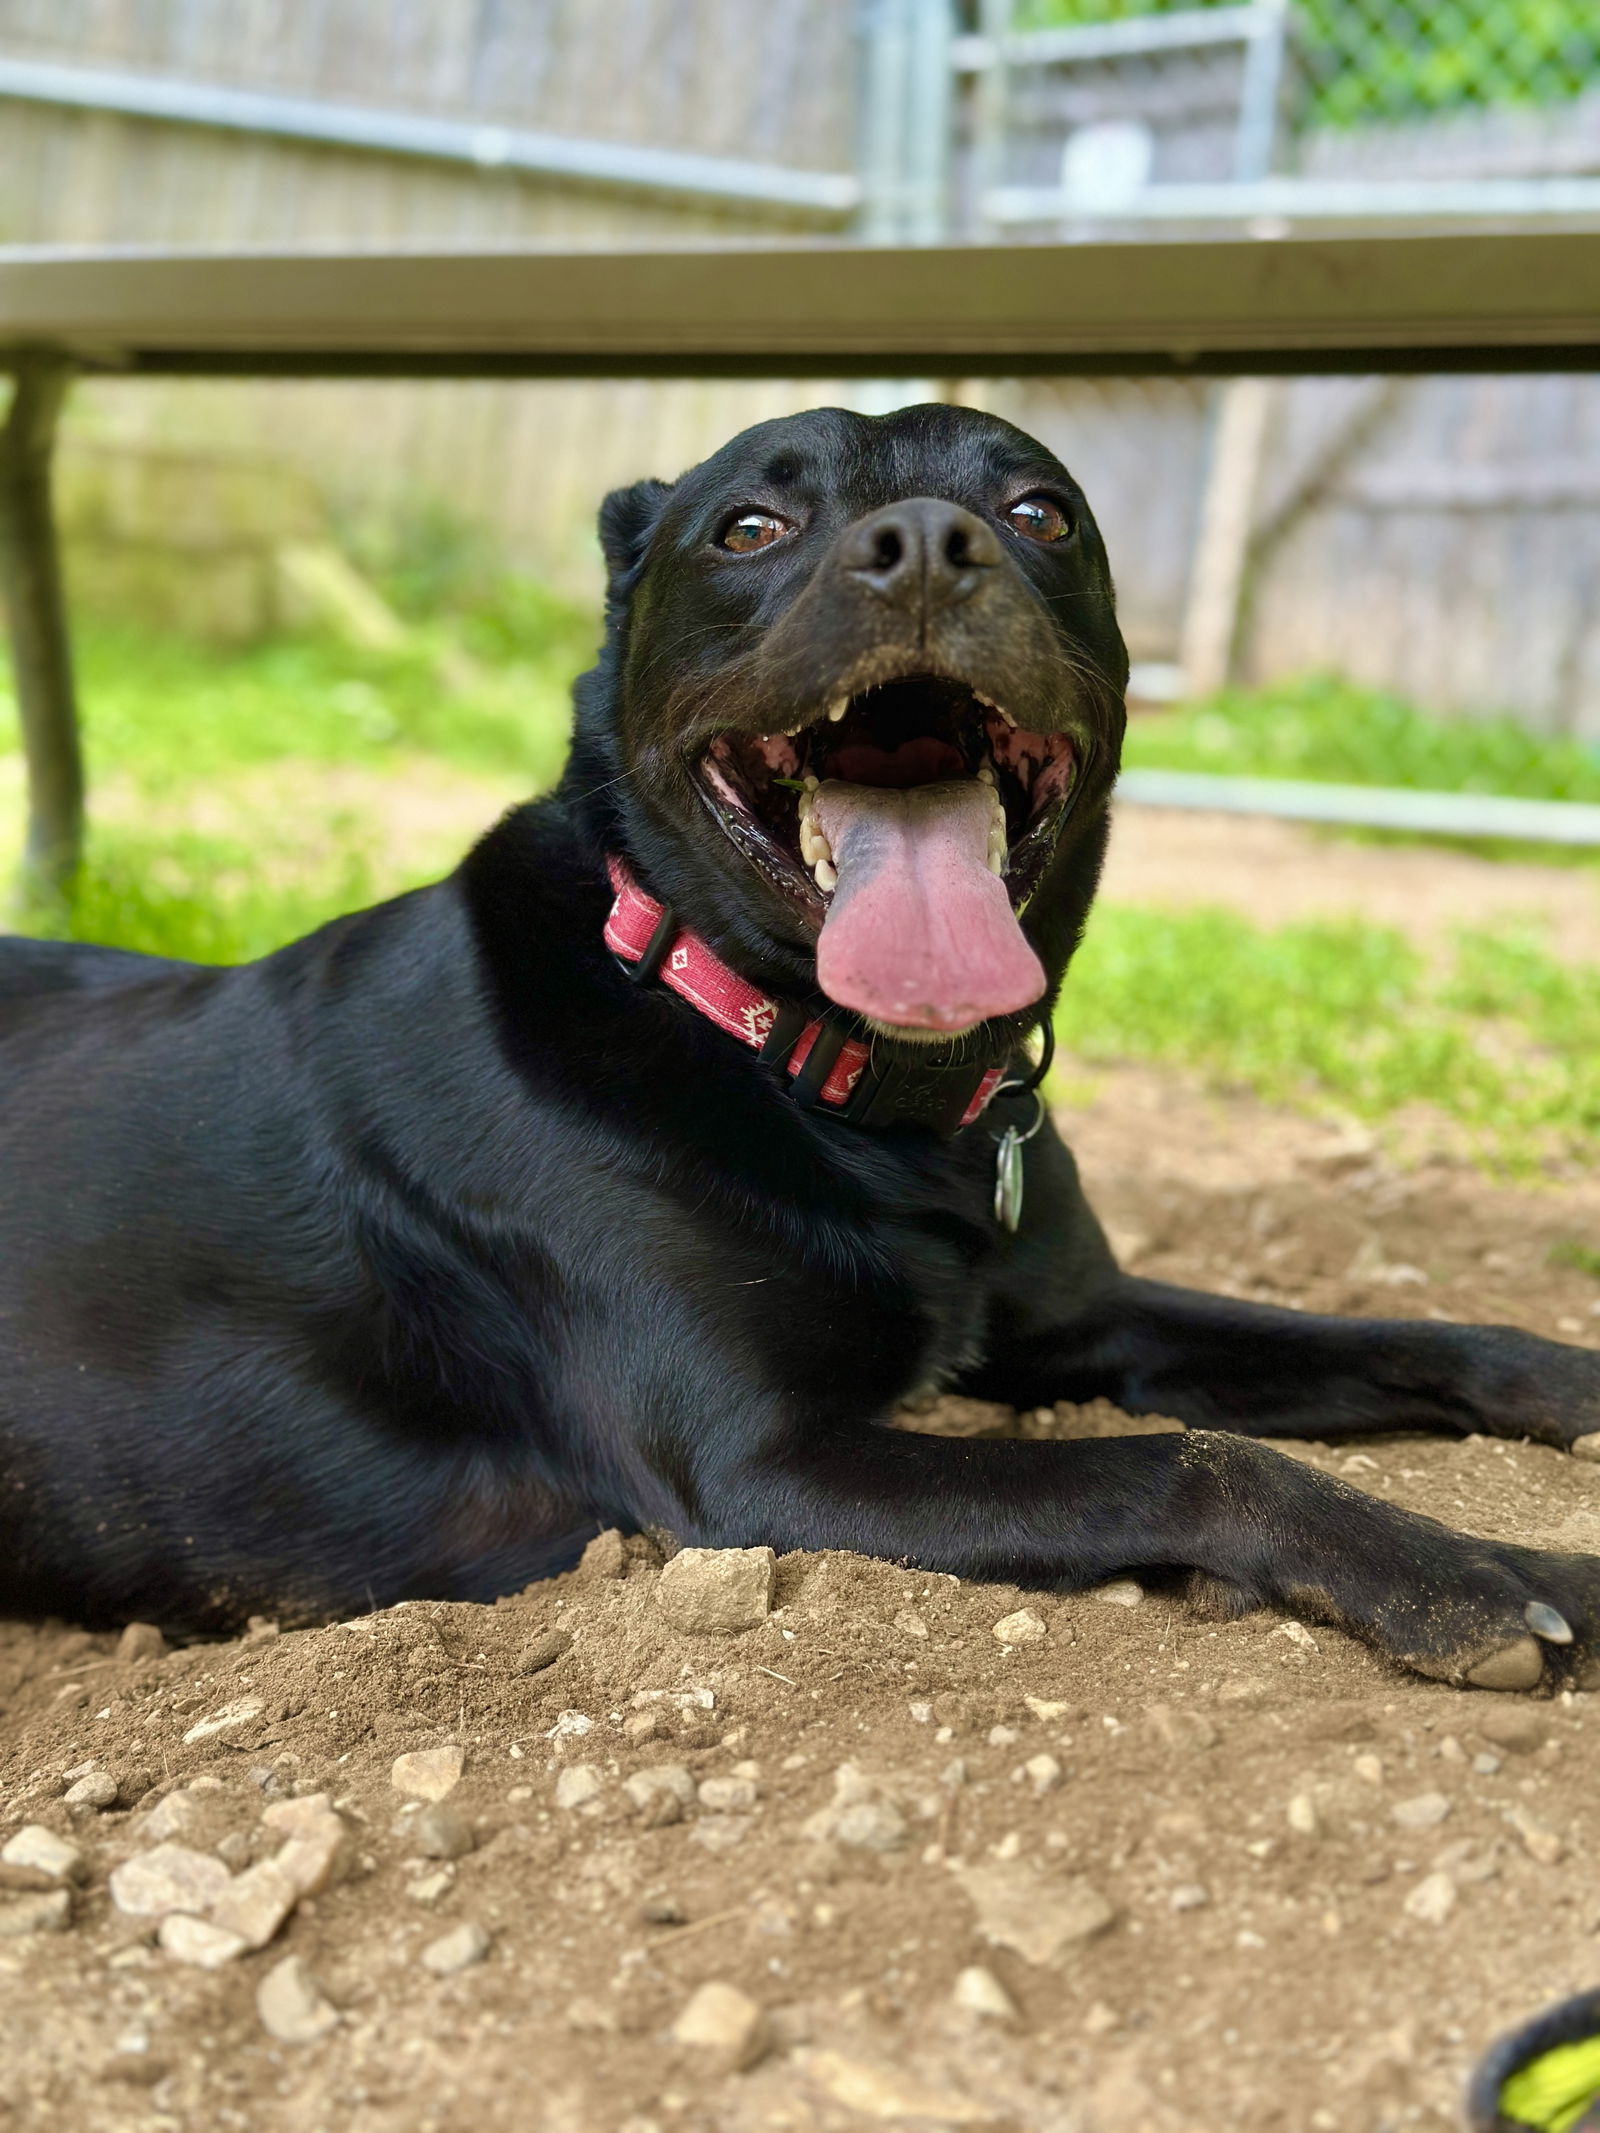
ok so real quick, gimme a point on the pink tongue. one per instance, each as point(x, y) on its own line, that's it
point(919, 932)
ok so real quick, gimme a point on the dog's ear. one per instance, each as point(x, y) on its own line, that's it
point(628, 517)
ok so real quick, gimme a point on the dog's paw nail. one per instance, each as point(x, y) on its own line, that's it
point(1514, 1666)
point(1546, 1623)
point(1587, 1447)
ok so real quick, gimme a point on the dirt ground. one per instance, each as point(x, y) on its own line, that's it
point(1138, 1873)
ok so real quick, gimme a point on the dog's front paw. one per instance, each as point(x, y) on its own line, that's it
point(1495, 1617)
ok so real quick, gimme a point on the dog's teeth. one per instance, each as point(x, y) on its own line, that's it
point(838, 708)
point(997, 861)
point(985, 774)
point(827, 877)
point(811, 784)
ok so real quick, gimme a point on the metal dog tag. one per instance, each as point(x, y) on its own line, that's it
point(1008, 1179)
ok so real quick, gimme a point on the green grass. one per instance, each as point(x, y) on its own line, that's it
point(1501, 1038)
point(1320, 727)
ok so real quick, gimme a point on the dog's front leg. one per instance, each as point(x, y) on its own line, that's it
point(1243, 1525)
point(1222, 1364)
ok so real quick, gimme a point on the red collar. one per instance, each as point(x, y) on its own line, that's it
point(824, 1061)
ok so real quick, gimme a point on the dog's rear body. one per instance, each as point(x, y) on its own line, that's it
point(398, 1263)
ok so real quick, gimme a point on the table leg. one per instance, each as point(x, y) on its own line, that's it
point(36, 618)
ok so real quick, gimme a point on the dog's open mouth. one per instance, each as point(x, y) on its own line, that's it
point(913, 820)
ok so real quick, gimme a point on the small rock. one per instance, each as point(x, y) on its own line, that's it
point(1539, 1840)
point(1297, 1633)
point(255, 1903)
point(543, 1651)
point(1424, 1810)
point(197, 1941)
point(37, 1850)
point(169, 1878)
point(723, 2027)
point(1050, 1713)
point(869, 1826)
point(292, 2005)
point(427, 1773)
point(1024, 1627)
point(235, 1850)
point(1451, 1750)
point(578, 1786)
point(660, 1793)
point(1043, 1772)
point(605, 1557)
point(1301, 1815)
point(884, 2092)
point(303, 1816)
point(1038, 1917)
point(92, 1794)
point(1190, 1896)
point(717, 1591)
point(50, 1911)
point(728, 1795)
point(243, 1711)
point(1368, 1768)
point(910, 1624)
point(1512, 1726)
point(174, 1816)
point(430, 1888)
point(1432, 1900)
point(1486, 1766)
point(1177, 1727)
point(663, 1911)
point(458, 1949)
point(979, 1992)
point(439, 1833)
point(1121, 1592)
point(140, 1640)
point(720, 1833)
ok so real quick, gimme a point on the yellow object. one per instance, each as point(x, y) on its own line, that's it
point(1554, 2090)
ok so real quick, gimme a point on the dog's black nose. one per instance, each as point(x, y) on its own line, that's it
point(921, 555)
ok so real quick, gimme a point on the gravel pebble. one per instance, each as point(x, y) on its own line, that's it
point(439, 1833)
point(198, 1941)
point(728, 1795)
point(429, 1888)
point(717, 1591)
point(980, 1992)
point(1301, 1815)
point(1424, 1810)
point(1432, 1900)
point(723, 2027)
point(1190, 1896)
point(578, 1786)
point(458, 1949)
point(170, 1877)
point(1033, 1914)
point(1539, 1840)
point(1043, 1772)
point(139, 1641)
point(1121, 1592)
point(1024, 1627)
point(427, 1773)
point(93, 1793)
point(891, 2092)
point(49, 1911)
point(292, 2005)
point(37, 1850)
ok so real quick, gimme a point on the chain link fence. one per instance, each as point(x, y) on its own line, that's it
point(1398, 59)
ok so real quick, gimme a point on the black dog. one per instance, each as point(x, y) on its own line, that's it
point(635, 1173)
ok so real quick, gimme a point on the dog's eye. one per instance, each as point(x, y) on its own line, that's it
point(1038, 519)
point(752, 530)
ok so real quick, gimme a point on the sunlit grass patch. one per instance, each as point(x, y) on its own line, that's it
point(1500, 1037)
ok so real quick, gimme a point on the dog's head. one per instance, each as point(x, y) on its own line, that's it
point(860, 709)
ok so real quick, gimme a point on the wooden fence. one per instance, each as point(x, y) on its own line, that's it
point(1436, 535)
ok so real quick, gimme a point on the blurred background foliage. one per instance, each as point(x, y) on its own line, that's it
point(1392, 59)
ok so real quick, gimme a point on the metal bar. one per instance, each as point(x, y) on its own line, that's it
point(1256, 136)
point(1131, 39)
point(485, 147)
point(36, 619)
point(1436, 814)
point(1310, 199)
